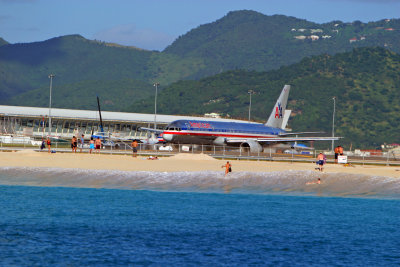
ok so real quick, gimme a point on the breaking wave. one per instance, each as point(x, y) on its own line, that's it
point(283, 182)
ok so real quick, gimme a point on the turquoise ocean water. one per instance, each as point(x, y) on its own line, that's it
point(189, 219)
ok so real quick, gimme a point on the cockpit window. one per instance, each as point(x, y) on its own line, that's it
point(172, 128)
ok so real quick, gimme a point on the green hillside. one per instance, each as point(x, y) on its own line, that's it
point(114, 95)
point(366, 83)
point(253, 41)
point(240, 40)
point(72, 58)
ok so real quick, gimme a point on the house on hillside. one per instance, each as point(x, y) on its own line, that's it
point(389, 29)
point(316, 30)
point(314, 37)
point(212, 115)
point(326, 36)
point(352, 40)
point(300, 37)
point(390, 146)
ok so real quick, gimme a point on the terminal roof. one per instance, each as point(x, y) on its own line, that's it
point(75, 114)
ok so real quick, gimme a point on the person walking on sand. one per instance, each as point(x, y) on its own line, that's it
point(48, 142)
point(98, 144)
point(82, 142)
point(321, 161)
point(91, 145)
point(228, 167)
point(134, 145)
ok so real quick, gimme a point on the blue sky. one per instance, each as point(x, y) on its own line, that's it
point(154, 24)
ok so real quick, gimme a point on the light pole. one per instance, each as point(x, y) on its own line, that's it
point(250, 92)
point(51, 76)
point(333, 120)
point(155, 106)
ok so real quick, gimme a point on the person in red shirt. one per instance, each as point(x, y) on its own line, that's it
point(48, 142)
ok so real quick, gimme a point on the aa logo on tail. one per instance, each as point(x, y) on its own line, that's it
point(278, 111)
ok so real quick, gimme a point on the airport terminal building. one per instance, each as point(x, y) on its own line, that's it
point(34, 122)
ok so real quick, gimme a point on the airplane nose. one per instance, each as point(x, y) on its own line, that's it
point(168, 137)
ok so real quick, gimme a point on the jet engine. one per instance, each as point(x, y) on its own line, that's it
point(220, 141)
point(254, 146)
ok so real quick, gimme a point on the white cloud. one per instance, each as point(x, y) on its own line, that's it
point(132, 36)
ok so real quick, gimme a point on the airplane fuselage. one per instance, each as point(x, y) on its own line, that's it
point(215, 133)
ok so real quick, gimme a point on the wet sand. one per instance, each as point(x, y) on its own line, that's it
point(180, 162)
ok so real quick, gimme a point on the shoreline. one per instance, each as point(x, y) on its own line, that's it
point(177, 163)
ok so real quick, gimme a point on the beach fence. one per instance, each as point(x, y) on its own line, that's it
point(364, 157)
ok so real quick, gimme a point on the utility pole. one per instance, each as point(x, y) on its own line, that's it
point(250, 92)
point(51, 76)
point(333, 121)
point(155, 106)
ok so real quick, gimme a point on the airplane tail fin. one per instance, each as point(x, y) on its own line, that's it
point(276, 119)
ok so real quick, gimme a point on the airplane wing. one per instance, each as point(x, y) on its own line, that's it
point(151, 130)
point(281, 139)
point(285, 134)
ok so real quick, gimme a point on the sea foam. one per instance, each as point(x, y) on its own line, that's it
point(283, 182)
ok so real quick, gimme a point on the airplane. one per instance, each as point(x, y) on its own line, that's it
point(255, 136)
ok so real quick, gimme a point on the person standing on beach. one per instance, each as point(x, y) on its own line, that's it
point(91, 145)
point(82, 142)
point(48, 142)
point(74, 143)
point(98, 144)
point(340, 150)
point(321, 161)
point(336, 154)
point(43, 145)
point(228, 167)
point(134, 145)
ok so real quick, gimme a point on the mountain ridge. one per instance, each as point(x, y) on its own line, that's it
point(245, 40)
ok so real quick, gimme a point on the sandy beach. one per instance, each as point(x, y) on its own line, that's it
point(180, 162)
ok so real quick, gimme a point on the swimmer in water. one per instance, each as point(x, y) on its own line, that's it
point(315, 182)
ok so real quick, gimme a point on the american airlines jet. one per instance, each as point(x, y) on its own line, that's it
point(256, 136)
